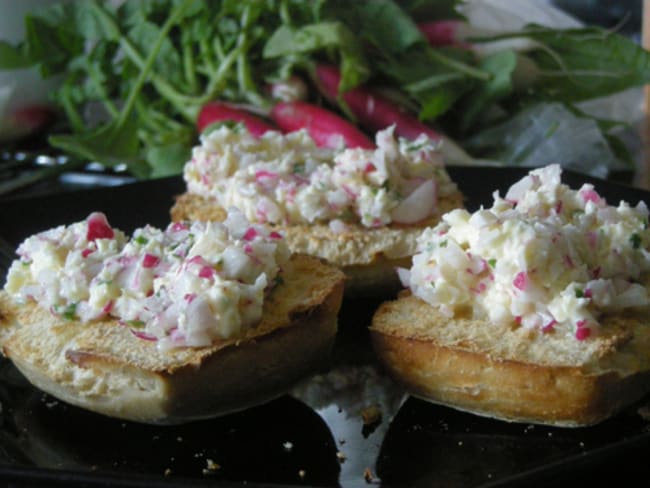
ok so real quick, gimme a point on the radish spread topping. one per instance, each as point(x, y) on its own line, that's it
point(545, 256)
point(187, 285)
point(286, 179)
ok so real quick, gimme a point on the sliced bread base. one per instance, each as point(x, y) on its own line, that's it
point(512, 374)
point(367, 256)
point(103, 367)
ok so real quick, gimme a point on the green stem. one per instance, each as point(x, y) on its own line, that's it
point(75, 120)
point(180, 102)
point(457, 66)
point(189, 67)
point(146, 69)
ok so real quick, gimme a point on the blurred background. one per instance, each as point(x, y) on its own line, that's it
point(29, 166)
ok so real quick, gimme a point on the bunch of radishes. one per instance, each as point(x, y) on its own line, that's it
point(291, 112)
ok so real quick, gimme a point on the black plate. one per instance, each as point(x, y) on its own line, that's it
point(317, 435)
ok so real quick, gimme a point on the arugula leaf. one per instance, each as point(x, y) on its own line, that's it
point(386, 26)
point(112, 144)
point(168, 160)
point(501, 65)
point(288, 41)
point(14, 57)
point(581, 64)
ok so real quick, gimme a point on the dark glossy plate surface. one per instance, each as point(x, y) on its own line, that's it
point(317, 435)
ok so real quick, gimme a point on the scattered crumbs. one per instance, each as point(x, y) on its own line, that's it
point(644, 412)
point(369, 476)
point(123, 425)
point(167, 472)
point(460, 443)
point(581, 444)
point(288, 446)
point(52, 404)
point(371, 415)
point(179, 439)
point(211, 467)
point(198, 454)
point(302, 473)
point(342, 441)
point(489, 475)
point(341, 457)
point(155, 438)
point(550, 434)
point(94, 467)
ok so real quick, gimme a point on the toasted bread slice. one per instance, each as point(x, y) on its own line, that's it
point(513, 373)
point(367, 256)
point(102, 366)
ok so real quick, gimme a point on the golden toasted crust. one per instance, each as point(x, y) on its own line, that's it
point(510, 373)
point(102, 366)
point(367, 256)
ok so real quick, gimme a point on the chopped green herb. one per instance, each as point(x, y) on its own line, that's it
point(68, 312)
point(136, 324)
point(579, 293)
point(443, 244)
point(142, 240)
point(635, 240)
point(492, 262)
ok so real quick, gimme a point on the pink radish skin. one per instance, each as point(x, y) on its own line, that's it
point(326, 128)
point(443, 33)
point(221, 112)
point(373, 111)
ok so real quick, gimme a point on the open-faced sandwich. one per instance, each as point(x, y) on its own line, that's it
point(196, 320)
point(532, 310)
point(360, 209)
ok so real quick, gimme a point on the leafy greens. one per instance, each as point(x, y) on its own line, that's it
point(136, 75)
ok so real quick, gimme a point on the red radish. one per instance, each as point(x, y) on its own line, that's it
point(373, 111)
point(444, 32)
point(417, 206)
point(221, 112)
point(325, 127)
point(376, 112)
point(98, 227)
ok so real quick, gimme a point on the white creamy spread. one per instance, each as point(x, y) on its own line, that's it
point(186, 285)
point(546, 256)
point(285, 179)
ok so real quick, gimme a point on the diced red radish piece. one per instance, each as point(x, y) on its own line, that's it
point(206, 272)
point(521, 281)
point(98, 227)
point(221, 112)
point(250, 234)
point(143, 336)
point(325, 127)
point(417, 206)
point(149, 261)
